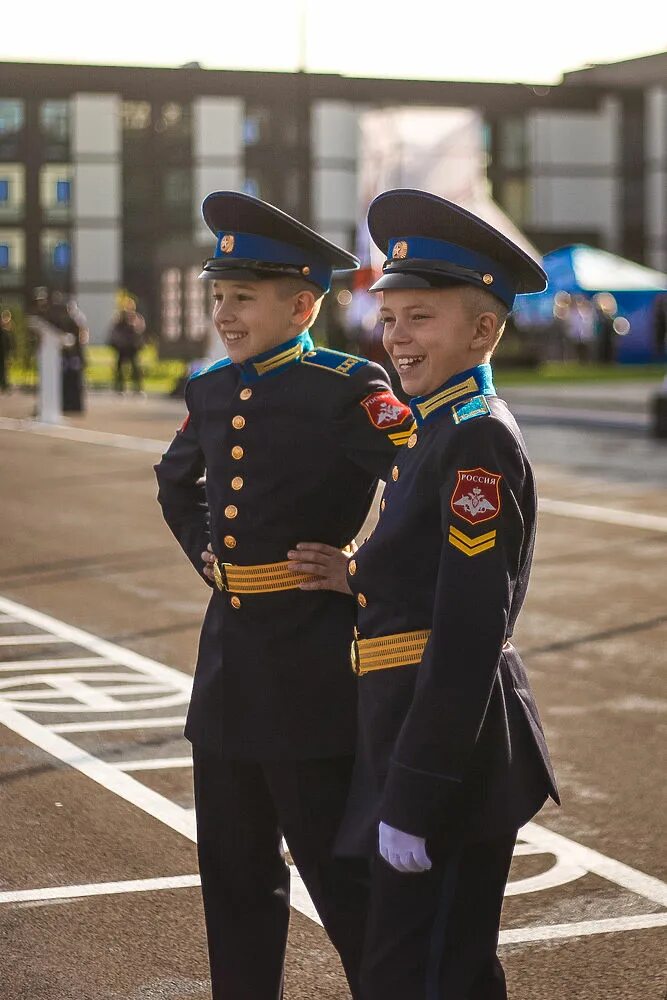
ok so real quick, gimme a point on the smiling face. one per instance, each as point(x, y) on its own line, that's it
point(432, 334)
point(254, 316)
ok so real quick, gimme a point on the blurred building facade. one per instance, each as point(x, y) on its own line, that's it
point(103, 169)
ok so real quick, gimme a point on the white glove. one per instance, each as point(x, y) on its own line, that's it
point(403, 851)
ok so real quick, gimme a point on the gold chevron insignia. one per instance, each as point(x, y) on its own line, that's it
point(401, 437)
point(471, 546)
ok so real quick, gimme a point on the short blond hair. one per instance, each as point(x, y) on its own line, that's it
point(287, 287)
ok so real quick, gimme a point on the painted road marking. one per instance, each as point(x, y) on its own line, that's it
point(169, 722)
point(99, 889)
point(154, 764)
point(566, 861)
point(72, 661)
point(126, 441)
point(30, 640)
point(604, 515)
point(559, 508)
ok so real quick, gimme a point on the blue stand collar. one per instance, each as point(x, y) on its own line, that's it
point(472, 382)
point(276, 360)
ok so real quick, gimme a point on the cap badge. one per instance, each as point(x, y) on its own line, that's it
point(488, 279)
point(227, 243)
point(400, 250)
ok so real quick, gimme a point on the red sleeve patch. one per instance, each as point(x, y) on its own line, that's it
point(476, 496)
point(384, 410)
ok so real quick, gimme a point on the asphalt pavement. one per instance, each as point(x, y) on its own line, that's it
point(99, 619)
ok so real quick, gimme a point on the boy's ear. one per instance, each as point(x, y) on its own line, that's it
point(486, 332)
point(303, 304)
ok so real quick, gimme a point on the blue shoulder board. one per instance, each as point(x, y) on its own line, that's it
point(475, 407)
point(333, 361)
point(211, 368)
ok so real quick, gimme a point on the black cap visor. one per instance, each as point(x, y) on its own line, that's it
point(218, 269)
point(427, 274)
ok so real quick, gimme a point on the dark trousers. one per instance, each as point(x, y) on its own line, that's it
point(243, 809)
point(135, 371)
point(434, 936)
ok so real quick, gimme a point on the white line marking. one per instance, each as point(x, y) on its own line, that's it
point(154, 764)
point(615, 871)
point(104, 774)
point(562, 508)
point(118, 654)
point(8, 619)
point(167, 722)
point(551, 932)
point(565, 414)
point(126, 441)
point(100, 888)
point(570, 856)
point(72, 661)
point(604, 515)
point(30, 640)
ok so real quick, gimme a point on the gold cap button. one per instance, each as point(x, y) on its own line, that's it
point(238, 423)
point(487, 279)
point(361, 599)
point(231, 511)
point(412, 441)
point(352, 567)
point(383, 505)
point(246, 393)
point(230, 541)
point(237, 483)
point(237, 452)
point(394, 473)
point(235, 602)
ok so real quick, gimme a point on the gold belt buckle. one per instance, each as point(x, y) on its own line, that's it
point(354, 657)
point(220, 575)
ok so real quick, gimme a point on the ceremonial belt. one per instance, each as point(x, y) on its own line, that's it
point(388, 651)
point(264, 579)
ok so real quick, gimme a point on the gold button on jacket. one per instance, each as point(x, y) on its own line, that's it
point(231, 511)
point(246, 393)
point(237, 452)
point(230, 541)
point(238, 423)
point(394, 473)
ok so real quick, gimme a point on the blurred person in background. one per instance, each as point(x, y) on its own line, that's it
point(580, 327)
point(70, 321)
point(126, 336)
point(605, 309)
point(6, 346)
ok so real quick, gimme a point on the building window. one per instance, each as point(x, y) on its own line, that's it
point(56, 190)
point(11, 117)
point(514, 199)
point(11, 128)
point(136, 115)
point(12, 191)
point(12, 257)
point(54, 125)
point(177, 195)
point(513, 143)
point(63, 192)
point(256, 127)
point(56, 254)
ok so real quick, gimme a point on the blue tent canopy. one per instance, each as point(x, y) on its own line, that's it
point(580, 269)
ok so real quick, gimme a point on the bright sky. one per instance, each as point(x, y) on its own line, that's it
point(508, 40)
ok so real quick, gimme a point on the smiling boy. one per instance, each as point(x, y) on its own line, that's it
point(292, 440)
point(451, 759)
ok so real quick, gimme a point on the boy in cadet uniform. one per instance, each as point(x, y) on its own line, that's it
point(451, 755)
point(292, 440)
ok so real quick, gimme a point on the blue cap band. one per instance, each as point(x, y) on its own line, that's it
point(247, 246)
point(421, 248)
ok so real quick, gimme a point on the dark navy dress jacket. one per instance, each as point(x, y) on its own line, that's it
point(451, 747)
point(292, 443)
